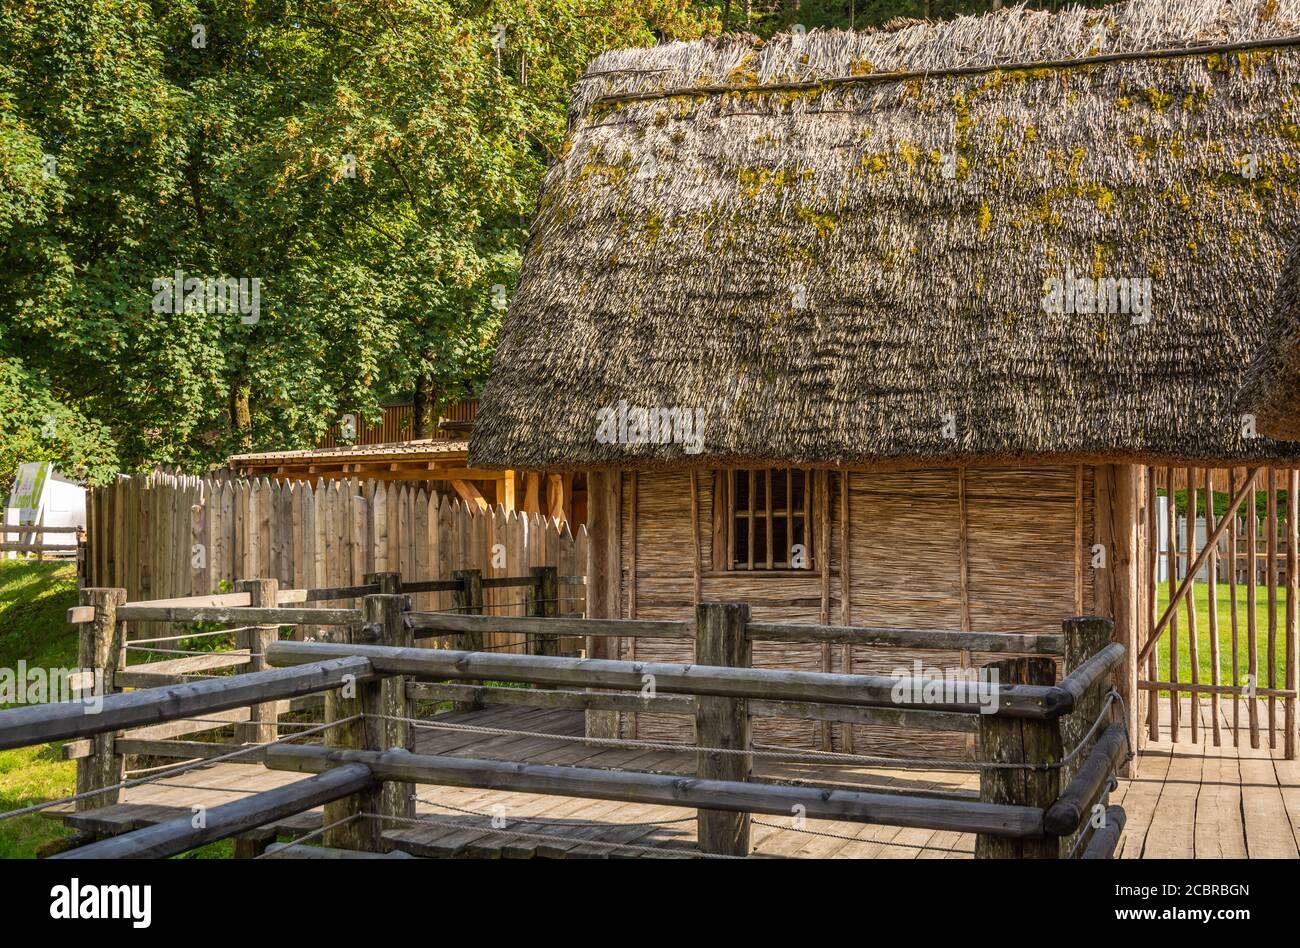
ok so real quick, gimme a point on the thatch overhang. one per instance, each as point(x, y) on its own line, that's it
point(840, 248)
point(1272, 389)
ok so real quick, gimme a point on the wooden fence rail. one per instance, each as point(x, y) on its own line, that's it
point(1049, 747)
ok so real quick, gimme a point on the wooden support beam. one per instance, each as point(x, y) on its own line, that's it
point(468, 601)
point(507, 497)
point(723, 723)
point(542, 601)
point(100, 648)
point(469, 493)
point(261, 728)
point(604, 567)
point(1022, 742)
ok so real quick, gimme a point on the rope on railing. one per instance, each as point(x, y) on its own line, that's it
point(312, 835)
point(813, 756)
point(173, 769)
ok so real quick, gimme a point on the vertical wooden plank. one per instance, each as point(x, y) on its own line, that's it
point(380, 504)
point(634, 527)
point(1193, 651)
point(696, 577)
point(1212, 599)
point(1233, 561)
point(1252, 634)
point(1078, 540)
point(198, 555)
point(1153, 584)
point(1171, 524)
point(1271, 555)
point(846, 589)
point(604, 513)
point(721, 528)
point(1292, 604)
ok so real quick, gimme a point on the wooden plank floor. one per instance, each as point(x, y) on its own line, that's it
point(1198, 801)
point(1188, 800)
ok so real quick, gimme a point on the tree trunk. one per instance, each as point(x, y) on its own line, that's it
point(424, 419)
point(241, 418)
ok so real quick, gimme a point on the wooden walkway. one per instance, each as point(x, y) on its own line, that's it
point(1187, 801)
point(570, 826)
point(1205, 802)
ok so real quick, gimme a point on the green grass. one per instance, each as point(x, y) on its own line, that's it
point(34, 599)
point(1224, 610)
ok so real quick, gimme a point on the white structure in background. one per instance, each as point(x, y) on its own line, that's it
point(1202, 533)
point(43, 497)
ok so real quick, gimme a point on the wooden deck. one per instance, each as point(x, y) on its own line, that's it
point(1205, 802)
point(1187, 801)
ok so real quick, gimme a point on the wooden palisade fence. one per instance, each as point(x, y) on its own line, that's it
point(1243, 557)
point(1049, 747)
point(165, 536)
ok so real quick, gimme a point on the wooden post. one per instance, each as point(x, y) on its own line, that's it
point(386, 614)
point(543, 596)
point(1020, 741)
point(100, 648)
point(365, 733)
point(261, 727)
point(389, 582)
point(468, 600)
point(1084, 637)
point(604, 569)
point(722, 722)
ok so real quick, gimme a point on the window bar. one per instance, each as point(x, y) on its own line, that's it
point(789, 516)
point(731, 519)
point(751, 519)
point(767, 497)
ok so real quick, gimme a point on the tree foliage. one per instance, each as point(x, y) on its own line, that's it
point(372, 163)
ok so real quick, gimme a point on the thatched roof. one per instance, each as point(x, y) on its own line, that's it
point(836, 266)
point(1272, 389)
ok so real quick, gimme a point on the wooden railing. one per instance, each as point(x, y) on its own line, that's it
point(1048, 753)
point(67, 542)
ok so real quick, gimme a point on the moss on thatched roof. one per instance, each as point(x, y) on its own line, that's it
point(834, 268)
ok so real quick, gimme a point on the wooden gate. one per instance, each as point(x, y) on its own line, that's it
point(1221, 603)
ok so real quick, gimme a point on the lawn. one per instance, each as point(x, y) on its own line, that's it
point(34, 599)
point(1225, 635)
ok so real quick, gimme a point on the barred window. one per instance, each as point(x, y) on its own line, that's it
point(769, 512)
